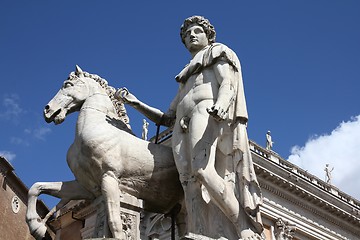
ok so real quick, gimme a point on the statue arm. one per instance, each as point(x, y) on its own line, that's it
point(151, 113)
point(226, 94)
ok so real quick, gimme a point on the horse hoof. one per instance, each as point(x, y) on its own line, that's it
point(38, 230)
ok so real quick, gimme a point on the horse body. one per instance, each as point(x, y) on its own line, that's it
point(106, 158)
point(141, 167)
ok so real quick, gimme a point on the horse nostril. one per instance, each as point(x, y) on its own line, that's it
point(47, 107)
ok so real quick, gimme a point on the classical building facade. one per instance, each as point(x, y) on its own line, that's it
point(297, 206)
point(13, 201)
point(300, 206)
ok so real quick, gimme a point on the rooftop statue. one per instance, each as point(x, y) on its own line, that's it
point(209, 141)
point(105, 158)
point(328, 173)
point(269, 142)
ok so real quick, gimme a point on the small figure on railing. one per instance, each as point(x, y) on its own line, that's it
point(269, 142)
point(328, 173)
point(145, 130)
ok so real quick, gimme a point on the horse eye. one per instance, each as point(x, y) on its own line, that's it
point(68, 84)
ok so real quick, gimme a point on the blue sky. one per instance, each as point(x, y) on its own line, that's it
point(300, 62)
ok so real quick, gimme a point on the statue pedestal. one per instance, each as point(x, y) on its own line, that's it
point(96, 223)
point(193, 236)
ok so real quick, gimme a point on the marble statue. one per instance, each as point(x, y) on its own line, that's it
point(328, 175)
point(106, 158)
point(209, 141)
point(145, 130)
point(269, 142)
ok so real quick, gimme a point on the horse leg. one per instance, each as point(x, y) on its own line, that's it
point(66, 191)
point(111, 193)
point(58, 206)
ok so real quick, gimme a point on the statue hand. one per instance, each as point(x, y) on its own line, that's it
point(217, 112)
point(124, 95)
point(243, 120)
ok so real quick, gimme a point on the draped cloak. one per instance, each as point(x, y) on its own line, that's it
point(247, 187)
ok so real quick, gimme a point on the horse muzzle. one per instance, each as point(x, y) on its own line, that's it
point(54, 114)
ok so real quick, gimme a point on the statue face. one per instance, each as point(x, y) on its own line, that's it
point(195, 38)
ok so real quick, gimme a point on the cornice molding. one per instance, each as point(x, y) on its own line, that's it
point(304, 226)
point(305, 200)
point(274, 162)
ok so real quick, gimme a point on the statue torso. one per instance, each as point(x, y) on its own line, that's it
point(197, 93)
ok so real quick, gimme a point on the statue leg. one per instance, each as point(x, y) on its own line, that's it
point(204, 142)
point(196, 212)
point(181, 222)
point(64, 190)
point(222, 192)
point(182, 159)
point(112, 193)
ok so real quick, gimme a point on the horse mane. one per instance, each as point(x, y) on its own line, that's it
point(110, 91)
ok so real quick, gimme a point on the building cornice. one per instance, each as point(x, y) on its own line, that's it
point(274, 162)
point(301, 190)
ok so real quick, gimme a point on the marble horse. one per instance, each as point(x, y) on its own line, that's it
point(106, 158)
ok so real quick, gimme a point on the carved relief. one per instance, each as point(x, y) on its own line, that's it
point(129, 226)
point(283, 230)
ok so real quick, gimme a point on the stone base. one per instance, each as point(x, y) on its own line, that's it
point(193, 236)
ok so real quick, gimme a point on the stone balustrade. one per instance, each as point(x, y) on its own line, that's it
point(303, 174)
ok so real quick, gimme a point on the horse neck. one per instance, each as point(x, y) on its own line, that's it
point(96, 106)
point(100, 102)
point(98, 112)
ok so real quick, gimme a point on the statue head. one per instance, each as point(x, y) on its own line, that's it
point(201, 21)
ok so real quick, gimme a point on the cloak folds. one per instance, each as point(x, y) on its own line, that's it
point(247, 188)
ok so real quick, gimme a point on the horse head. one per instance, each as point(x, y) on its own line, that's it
point(68, 99)
point(74, 91)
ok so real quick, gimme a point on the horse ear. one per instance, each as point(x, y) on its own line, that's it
point(79, 72)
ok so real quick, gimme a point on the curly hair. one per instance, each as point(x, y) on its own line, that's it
point(201, 21)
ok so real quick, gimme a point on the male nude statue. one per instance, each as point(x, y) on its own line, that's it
point(328, 172)
point(209, 140)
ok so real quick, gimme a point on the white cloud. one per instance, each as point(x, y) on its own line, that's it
point(19, 141)
point(11, 109)
point(41, 132)
point(340, 149)
point(8, 155)
point(38, 133)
